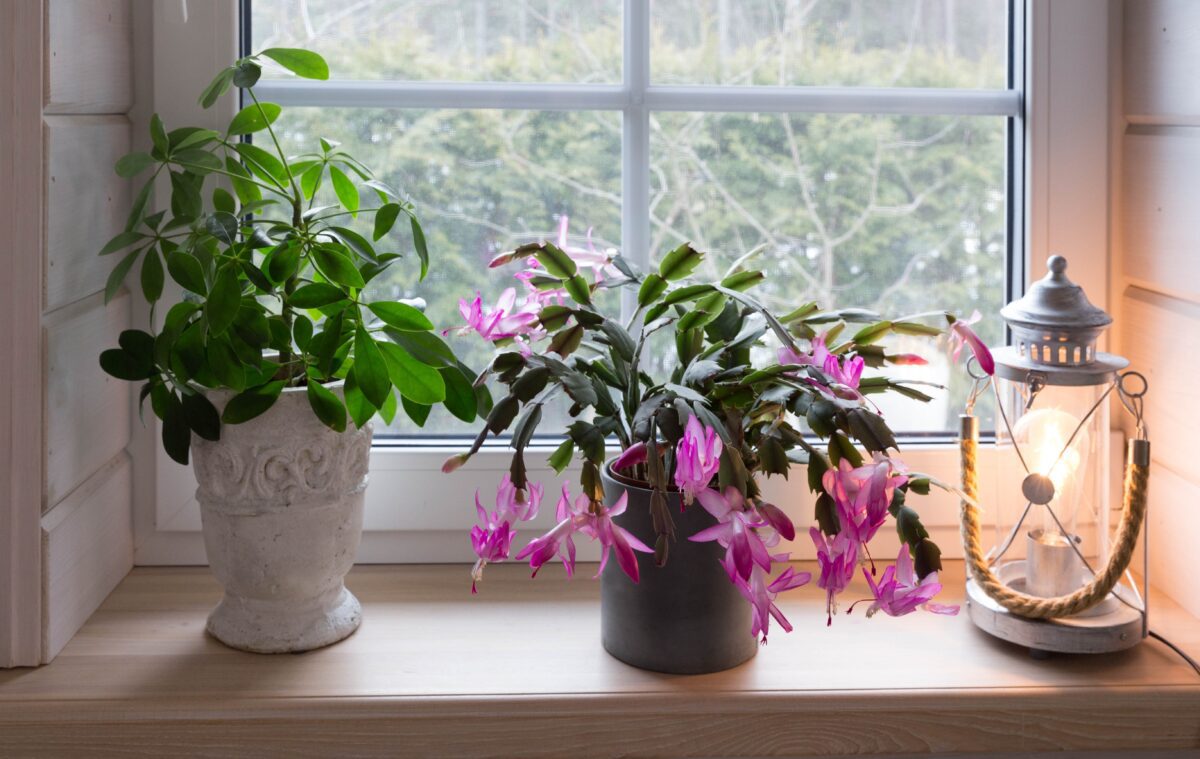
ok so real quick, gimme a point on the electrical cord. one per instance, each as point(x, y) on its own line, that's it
point(1176, 649)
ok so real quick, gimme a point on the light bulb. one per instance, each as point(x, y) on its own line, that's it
point(1042, 436)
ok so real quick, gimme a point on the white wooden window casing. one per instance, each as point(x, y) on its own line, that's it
point(414, 513)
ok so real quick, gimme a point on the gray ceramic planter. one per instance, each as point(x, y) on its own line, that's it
point(685, 618)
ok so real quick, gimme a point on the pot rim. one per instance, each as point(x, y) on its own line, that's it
point(629, 482)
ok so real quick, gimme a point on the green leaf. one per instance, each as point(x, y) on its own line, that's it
point(132, 164)
point(246, 74)
point(158, 135)
point(577, 287)
point(224, 363)
point(122, 240)
point(326, 406)
point(186, 270)
point(556, 261)
point(254, 117)
point(401, 316)
point(188, 137)
point(415, 380)
point(197, 161)
point(388, 412)
point(250, 403)
point(357, 404)
point(222, 200)
point(460, 395)
point(302, 331)
point(139, 345)
point(176, 434)
point(247, 191)
point(385, 217)
point(652, 287)
point(370, 370)
point(316, 295)
point(561, 458)
point(743, 280)
point(427, 348)
point(300, 62)
point(567, 340)
point(223, 226)
point(347, 193)
point(202, 416)
point(356, 242)
point(138, 208)
point(310, 179)
point(262, 163)
point(152, 275)
point(223, 300)
point(284, 263)
point(419, 244)
point(117, 276)
point(123, 365)
point(216, 88)
point(418, 412)
point(680, 262)
point(336, 267)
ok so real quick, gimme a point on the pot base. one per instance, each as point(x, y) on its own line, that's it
point(282, 627)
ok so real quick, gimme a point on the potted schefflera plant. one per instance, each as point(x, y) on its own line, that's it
point(270, 367)
point(680, 413)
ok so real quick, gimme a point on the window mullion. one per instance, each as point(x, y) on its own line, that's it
point(635, 141)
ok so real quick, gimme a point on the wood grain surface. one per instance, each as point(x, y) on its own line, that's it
point(519, 671)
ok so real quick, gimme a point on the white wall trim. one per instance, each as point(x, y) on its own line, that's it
point(21, 457)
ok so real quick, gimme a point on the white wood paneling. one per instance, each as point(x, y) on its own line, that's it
point(87, 548)
point(87, 411)
point(88, 56)
point(20, 339)
point(1162, 48)
point(1163, 341)
point(1161, 182)
point(86, 202)
point(1174, 535)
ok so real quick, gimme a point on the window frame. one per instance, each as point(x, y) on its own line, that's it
point(430, 525)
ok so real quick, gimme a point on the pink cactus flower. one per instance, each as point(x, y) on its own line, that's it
point(697, 458)
point(761, 592)
point(631, 456)
point(907, 359)
point(593, 520)
point(505, 321)
point(816, 356)
point(735, 530)
point(899, 592)
point(492, 537)
point(844, 371)
point(863, 495)
point(837, 558)
point(961, 334)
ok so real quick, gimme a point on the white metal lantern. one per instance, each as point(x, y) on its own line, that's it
point(1056, 575)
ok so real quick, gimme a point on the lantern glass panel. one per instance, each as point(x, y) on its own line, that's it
point(1061, 434)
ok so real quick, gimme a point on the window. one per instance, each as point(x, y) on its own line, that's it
point(861, 148)
point(652, 120)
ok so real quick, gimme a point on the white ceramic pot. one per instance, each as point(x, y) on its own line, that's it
point(281, 500)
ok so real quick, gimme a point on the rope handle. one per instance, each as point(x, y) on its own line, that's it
point(1137, 481)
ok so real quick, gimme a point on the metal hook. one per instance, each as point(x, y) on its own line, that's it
point(1133, 401)
point(982, 379)
point(1035, 382)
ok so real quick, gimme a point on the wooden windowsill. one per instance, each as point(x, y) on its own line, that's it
point(519, 671)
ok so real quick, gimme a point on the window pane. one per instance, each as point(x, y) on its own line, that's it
point(450, 40)
point(900, 214)
point(876, 43)
point(483, 182)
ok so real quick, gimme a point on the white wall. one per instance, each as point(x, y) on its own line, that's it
point(1157, 210)
point(87, 545)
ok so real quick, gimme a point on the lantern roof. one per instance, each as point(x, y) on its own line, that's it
point(1055, 328)
point(1055, 302)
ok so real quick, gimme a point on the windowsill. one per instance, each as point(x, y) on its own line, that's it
point(519, 670)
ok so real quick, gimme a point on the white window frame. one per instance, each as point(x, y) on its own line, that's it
point(414, 513)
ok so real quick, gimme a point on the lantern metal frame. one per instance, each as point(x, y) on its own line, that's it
point(1055, 329)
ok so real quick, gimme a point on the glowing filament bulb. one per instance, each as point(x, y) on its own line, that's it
point(1043, 436)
